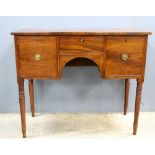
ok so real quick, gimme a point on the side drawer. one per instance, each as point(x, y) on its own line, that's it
point(37, 56)
point(125, 56)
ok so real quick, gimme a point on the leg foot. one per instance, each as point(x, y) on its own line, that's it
point(135, 126)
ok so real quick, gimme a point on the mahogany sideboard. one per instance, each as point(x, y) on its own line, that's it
point(118, 54)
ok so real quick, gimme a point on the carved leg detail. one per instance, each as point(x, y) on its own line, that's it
point(137, 105)
point(22, 106)
point(127, 87)
point(31, 92)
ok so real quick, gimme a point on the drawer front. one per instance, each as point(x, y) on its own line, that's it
point(37, 56)
point(81, 43)
point(125, 55)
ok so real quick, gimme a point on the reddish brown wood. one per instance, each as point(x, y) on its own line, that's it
point(101, 47)
point(133, 47)
point(144, 56)
point(127, 87)
point(81, 44)
point(64, 58)
point(137, 105)
point(22, 105)
point(83, 31)
point(31, 93)
point(28, 47)
point(81, 62)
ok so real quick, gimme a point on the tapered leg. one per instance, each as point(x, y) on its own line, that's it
point(127, 87)
point(137, 105)
point(31, 92)
point(22, 106)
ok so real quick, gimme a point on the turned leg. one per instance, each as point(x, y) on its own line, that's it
point(31, 92)
point(22, 106)
point(137, 105)
point(127, 87)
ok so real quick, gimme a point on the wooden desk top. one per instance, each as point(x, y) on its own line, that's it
point(83, 31)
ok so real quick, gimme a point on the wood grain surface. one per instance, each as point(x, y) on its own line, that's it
point(118, 54)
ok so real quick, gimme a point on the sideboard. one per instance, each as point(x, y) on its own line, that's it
point(118, 54)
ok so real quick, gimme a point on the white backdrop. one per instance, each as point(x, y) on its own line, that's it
point(81, 89)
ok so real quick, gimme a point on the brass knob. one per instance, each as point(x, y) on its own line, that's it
point(37, 57)
point(82, 39)
point(124, 56)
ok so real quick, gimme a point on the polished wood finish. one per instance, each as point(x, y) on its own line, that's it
point(64, 58)
point(22, 105)
point(137, 105)
point(81, 62)
point(127, 87)
point(118, 54)
point(81, 43)
point(133, 47)
point(28, 47)
point(31, 93)
point(83, 31)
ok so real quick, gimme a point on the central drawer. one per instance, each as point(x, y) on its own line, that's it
point(81, 43)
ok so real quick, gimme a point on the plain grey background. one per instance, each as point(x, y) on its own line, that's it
point(81, 89)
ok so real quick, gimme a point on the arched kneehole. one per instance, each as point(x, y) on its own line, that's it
point(80, 61)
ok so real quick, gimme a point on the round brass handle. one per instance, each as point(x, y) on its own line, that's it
point(82, 39)
point(124, 56)
point(37, 57)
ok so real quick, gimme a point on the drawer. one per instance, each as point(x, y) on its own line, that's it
point(81, 43)
point(37, 56)
point(124, 56)
point(125, 43)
